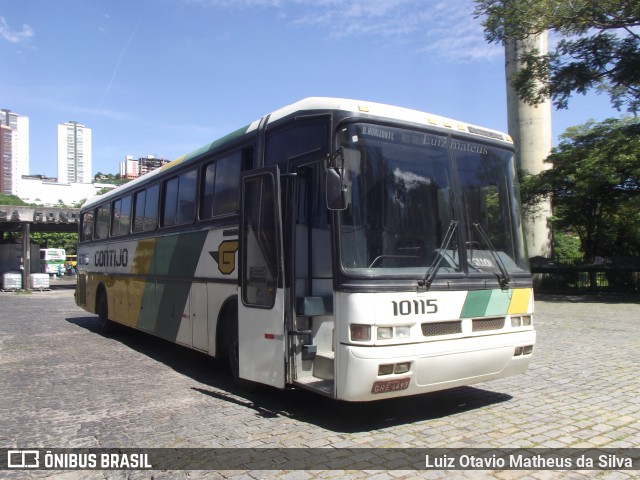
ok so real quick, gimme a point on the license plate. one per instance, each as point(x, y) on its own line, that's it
point(394, 385)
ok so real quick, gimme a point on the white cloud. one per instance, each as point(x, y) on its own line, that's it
point(442, 28)
point(236, 3)
point(15, 36)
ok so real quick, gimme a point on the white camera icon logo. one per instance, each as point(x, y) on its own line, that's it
point(23, 459)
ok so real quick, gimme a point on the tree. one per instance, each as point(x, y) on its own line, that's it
point(598, 48)
point(68, 241)
point(595, 186)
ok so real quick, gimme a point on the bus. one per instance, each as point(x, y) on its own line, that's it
point(358, 250)
point(52, 261)
point(70, 263)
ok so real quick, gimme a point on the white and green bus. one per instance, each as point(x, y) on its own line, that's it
point(52, 261)
point(358, 250)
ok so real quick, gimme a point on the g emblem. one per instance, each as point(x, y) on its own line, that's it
point(225, 257)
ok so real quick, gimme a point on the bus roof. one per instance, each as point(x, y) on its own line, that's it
point(314, 104)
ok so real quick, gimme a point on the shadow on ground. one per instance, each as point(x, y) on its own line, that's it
point(301, 405)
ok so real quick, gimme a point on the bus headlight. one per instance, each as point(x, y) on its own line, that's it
point(385, 333)
point(521, 321)
point(360, 333)
point(403, 367)
point(403, 331)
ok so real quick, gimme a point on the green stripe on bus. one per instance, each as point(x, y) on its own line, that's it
point(499, 302)
point(165, 300)
point(475, 305)
point(221, 141)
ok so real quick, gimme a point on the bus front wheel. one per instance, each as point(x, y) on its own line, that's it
point(231, 347)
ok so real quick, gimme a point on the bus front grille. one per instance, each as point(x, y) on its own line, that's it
point(486, 324)
point(441, 328)
point(436, 329)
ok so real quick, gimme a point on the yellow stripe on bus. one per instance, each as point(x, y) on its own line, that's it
point(141, 265)
point(520, 301)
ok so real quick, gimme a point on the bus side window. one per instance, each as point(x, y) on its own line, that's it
point(187, 197)
point(169, 202)
point(86, 232)
point(179, 199)
point(296, 141)
point(145, 209)
point(138, 211)
point(121, 214)
point(103, 216)
point(221, 186)
point(151, 207)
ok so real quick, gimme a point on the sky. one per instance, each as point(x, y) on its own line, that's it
point(165, 77)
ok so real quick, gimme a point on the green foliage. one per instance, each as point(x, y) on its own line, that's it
point(566, 245)
point(68, 241)
point(595, 186)
point(110, 178)
point(598, 48)
point(11, 200)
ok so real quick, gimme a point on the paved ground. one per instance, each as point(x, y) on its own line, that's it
point(66, 385)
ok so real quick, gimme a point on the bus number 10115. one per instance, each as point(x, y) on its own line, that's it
point(414, 307)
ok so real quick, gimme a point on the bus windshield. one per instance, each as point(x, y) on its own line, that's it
point(403, 199)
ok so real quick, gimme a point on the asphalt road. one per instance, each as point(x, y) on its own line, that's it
point(66, 385)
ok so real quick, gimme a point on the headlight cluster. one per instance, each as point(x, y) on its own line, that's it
point(387, 333)
point(389, 368)
point(521, 321)
point(526, 350)
point(362, 333)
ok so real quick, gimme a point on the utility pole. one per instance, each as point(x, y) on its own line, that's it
point(530, 128)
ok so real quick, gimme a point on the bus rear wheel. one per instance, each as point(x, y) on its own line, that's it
point(102, 309)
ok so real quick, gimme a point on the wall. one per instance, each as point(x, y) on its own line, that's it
point(11, 255)
point(49, 193)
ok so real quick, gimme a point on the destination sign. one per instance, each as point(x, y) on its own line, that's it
point(414, 138)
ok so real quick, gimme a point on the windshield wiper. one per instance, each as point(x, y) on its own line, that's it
point(503, 276)
point(428, 278)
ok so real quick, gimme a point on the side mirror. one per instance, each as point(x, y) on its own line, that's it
point(336, 191)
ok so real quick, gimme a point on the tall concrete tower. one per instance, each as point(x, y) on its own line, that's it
point(14, 150)
point(530, 128)
point(74, 153)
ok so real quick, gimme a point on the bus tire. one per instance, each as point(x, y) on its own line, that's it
point(102, 309)
point(232, 350)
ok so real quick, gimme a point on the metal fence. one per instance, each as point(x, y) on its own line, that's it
point(564, 274)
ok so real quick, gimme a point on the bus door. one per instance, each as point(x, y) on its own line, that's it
point(312, 332)
point(261, 320)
